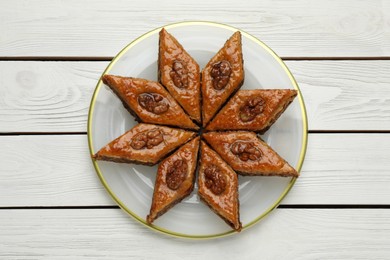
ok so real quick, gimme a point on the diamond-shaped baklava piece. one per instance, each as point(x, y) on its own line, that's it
point(222, 76)
point(144, 144)
point(218, 186)
point(253, 110)
point(149, 101)
point(247, 154)
point(175, 179)
point(180, 74)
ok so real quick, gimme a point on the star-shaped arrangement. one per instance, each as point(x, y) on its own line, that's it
point(191, 114)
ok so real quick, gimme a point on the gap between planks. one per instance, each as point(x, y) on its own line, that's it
point(309, 132)
point(291, 206)
point(109, 58)
point(42, 133)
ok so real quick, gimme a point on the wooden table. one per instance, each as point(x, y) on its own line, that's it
point(52, 204)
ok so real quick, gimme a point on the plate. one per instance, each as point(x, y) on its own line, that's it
point(131, 186)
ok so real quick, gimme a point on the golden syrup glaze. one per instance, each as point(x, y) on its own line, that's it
point(276, 101)
point(269, 163)
point(212, 98)
point(225, 204)
point(169, 51)
point(128, 89)
point(164, 197)
point(121, 150)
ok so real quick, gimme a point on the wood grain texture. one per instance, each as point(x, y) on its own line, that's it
point(110, 234)
point(40, 96)
point(48, 171)
point(292, 28)
point(46, 96)
point(344, 169)
point(345, 95)
point(57, 171)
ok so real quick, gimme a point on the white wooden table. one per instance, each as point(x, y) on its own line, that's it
point(52, 204)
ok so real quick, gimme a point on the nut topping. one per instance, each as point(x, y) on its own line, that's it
point(221, 74)
point(245, 151)
point(148, 139)
point(179, 74)
point(251, 109)
point(153, 102)
point(214, 179)
point(176, 174)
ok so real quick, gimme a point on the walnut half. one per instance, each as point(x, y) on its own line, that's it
point(153, 102)
point(214, 179)
point(245, 151)
point(147, 139)
point(252, 108)
point(220, 72)
point(179, 74)
point(176, 174)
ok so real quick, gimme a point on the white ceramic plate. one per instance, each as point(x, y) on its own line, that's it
point(131, 186)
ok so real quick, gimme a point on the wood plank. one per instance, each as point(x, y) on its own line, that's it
point(40, 96)
point(46, 96)
point(292, 28)
point(109, 233)
point(344, 169)
point(48, 171)
point(339, 169)
point(345, 95)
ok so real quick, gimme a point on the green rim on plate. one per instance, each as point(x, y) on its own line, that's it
point(265, 47)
